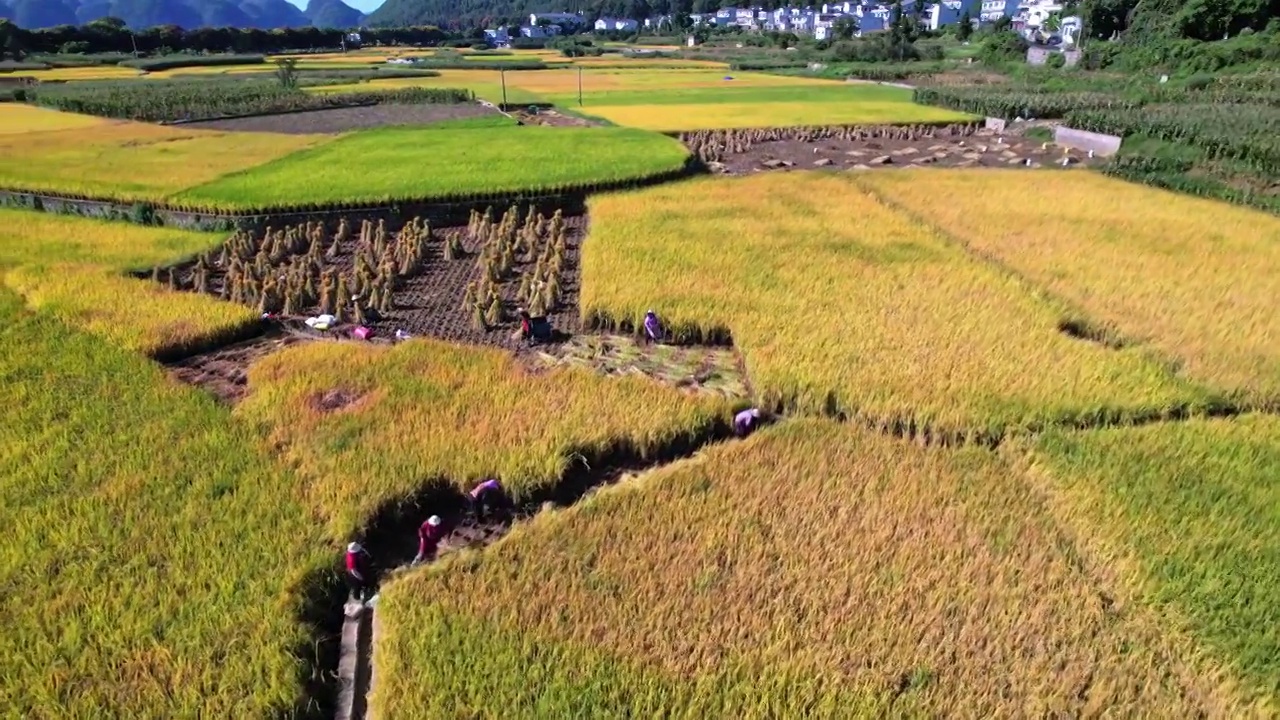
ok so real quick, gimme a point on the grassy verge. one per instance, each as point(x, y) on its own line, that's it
point(815, 569)
point(840, 304)
point(416, 163)
point(1196, 279)
point(428, 413)
point(1194, 509)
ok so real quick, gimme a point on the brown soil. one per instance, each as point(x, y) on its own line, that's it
point(338, 120)
point(224, 371)
point(334, 400)
point(552, 117)
point(982, 149)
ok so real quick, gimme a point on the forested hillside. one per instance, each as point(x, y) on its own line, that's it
point(266, 14)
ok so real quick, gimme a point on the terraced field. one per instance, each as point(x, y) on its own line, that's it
point(1020, 450)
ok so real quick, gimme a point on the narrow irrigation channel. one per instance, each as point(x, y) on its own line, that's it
point(391, 538)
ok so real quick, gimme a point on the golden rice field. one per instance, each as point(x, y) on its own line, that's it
point(1195, 279)
point(1185, 518)
point(16, 119)
point(430, 412)
point(707, 116)
point(130, 161)
point(73, 269)
point(814, 570)
point(841, 304)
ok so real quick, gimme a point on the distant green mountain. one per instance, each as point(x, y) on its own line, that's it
point(266, 14)
point(332, 14)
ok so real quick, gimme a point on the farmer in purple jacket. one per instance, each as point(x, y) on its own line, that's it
point(746, 421)
point(652, 328)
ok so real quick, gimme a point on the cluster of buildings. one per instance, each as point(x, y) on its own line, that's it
point(1039, 20)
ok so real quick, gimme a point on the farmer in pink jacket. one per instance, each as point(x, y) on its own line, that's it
point(745, 422)
point(488, 500)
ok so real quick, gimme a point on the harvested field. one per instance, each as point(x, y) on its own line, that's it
point(339, 120)
point(876, 148)
point(423, 296)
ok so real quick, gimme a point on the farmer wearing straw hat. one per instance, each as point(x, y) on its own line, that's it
point(746, 421)
point(359, 570)
point(429, 536)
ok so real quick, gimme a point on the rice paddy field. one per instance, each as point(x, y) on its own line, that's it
point(684, 98)
point(119, 160)
point(880, 318)
point(816, 568)
point(407, 163)
point(1021, 455)
point(1194, 279)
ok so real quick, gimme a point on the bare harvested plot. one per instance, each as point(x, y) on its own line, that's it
point(739, 152)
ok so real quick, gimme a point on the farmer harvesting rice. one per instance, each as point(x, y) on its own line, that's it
point(429, 536)
point(745, 422)
point(359, 570)
point(652, 327)
point(488, 499)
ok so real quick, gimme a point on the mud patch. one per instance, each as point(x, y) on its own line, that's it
point(1082, 329)
point(225, 371)
point(331, 401)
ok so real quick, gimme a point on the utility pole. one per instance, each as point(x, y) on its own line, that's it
point(502, 73)
point(134, 39)
point(579, 86)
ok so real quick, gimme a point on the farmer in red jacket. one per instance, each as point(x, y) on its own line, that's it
point(429, 536)
point(359, 570)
